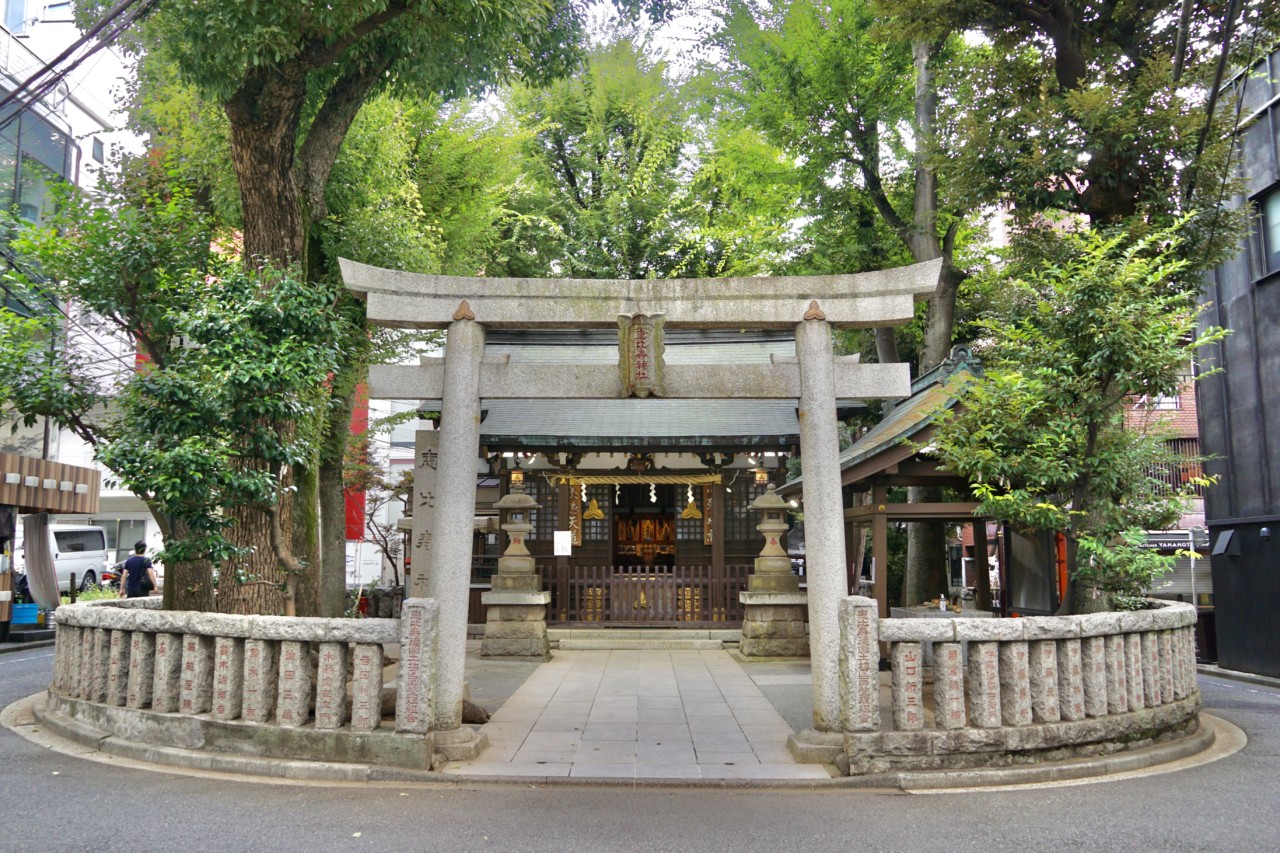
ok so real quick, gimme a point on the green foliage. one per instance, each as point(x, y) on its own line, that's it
point(213, 429)
point(1083, 108)
point(1042, 436)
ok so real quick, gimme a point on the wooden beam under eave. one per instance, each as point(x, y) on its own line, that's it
point(958, 511)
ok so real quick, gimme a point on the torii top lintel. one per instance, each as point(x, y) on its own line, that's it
point(413, 300)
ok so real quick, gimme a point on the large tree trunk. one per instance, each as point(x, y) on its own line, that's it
point(188, 585)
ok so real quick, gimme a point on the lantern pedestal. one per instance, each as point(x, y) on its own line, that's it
point(516, 608)
point(774, 622)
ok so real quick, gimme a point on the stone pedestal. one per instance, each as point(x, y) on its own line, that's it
point(516, 618)
point(516, 624)
point(775, 608)
point(774, 624)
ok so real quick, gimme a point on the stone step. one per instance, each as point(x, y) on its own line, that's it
point(621, 644)
point(725, 634)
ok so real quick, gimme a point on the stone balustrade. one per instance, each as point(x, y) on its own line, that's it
point(260, 685)
point(1006, 691)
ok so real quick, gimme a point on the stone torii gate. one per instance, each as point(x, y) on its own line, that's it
point(465, 307)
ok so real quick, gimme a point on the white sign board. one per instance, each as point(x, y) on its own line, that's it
point(564, 543)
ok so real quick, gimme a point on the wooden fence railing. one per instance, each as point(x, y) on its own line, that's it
point(683, 596)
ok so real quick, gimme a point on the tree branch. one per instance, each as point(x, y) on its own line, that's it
point(318, 53)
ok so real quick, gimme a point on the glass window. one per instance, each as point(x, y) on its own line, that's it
point(8, 171)
point(43, 142)
point(1270, 227)
point(35, 185)
point(15, 15)
point(79, 541)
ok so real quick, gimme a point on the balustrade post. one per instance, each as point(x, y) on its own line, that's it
point(195, 692)
point(1015, 684)
point(258, 689)
point(1046, 706)
point(1093, 651)
point(1134, 674)
point(331, 686)
point(948, 686)
point(366, 688)
point(118, 668)
point(984, 685)
point(84, 686)
point(100, 666)
point(1150, 669)
point(1117, 684)
point(1165, 650)
point(293, 687)
point(142, 669)
point(168, 673)
point(907, 661)
point(1071, 680)
point(228, 678)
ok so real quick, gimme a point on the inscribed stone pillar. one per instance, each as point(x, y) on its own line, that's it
point(824, 516)
point(1179, 665)
point(164, 689)
point(1015, 683)
point(426, 462)
point(228, 677)
point(142, 669)
point(118, 668)
point(1045, 704)
point(84, 687)
point(1070, 680)
point(258, 693)
point(331, 686)
point(449, 572)
point(293, 687)
point(1151, 668)
point(366, 687)
point(907, 686)
point(416, 679)
point(195, 692)
point(101, 665)
point(859, 659)
point(1117, 684)
point(1094, 652)
point(1133, 672)
point(68, 642)
point(1165, 648)
point(948, 686)
point(984, 685)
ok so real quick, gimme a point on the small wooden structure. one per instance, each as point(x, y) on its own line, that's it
point(894, 453)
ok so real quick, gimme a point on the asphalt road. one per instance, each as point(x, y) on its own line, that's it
point(50, 801)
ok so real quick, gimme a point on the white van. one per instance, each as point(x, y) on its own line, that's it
point(78, 548)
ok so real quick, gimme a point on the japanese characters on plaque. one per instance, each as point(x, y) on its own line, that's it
point(708, 527)
point(640, 351)
point(426, 462)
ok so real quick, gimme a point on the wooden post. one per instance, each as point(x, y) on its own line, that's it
point(982, 582)
point(880, 546)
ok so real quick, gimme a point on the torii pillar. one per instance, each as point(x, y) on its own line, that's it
point(449, 572)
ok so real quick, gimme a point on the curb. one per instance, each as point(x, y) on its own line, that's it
point(1233, 675)
point(7, 648)
point(64, 732)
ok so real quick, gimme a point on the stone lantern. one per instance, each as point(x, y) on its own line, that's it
point(516, 566)
point(774, 622)
point(773, 566)
point(516, 607)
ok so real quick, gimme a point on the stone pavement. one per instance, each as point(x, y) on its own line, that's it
point(651, 715)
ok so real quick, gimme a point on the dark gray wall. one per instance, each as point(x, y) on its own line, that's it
point(1240, 410)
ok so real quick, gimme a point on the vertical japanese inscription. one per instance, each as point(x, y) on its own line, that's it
point(426, 461)
point(640, 350)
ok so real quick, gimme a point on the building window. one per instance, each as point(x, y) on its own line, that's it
point(15, 15)
point(99, 150)
point(1269, 205)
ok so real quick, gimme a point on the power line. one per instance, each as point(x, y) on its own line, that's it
point(36, 87)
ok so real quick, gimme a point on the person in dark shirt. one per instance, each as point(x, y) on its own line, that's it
point(139, 576)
